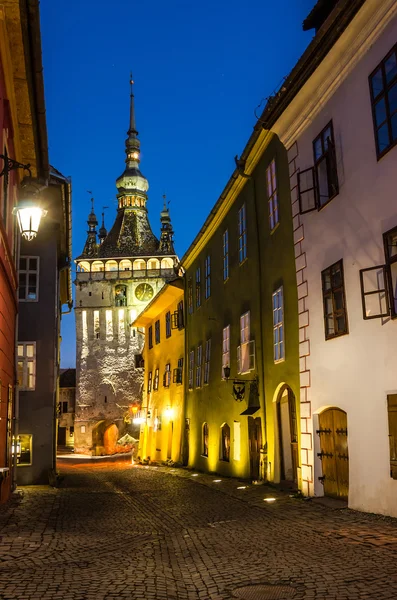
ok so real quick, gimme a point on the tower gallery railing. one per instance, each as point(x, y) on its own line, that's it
point(124, 274)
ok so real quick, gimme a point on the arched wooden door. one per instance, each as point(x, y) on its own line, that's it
point(288, 435)
point(334, 452)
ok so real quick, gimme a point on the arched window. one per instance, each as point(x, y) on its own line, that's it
point(120, 295)
point(225, 442)
point(97, 266)
point(153, 263)
point(83, 266)
point(111, 265)
point(205, 439)
point(167, 263)
point(125, 265)
point(139, 264)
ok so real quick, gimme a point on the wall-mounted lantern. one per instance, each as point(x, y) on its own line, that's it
point(238, 392)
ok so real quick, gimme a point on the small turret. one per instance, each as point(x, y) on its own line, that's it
point(167, 232)
point(91, 245)
point(102, 231)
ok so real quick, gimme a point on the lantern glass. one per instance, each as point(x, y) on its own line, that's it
point(29, 218)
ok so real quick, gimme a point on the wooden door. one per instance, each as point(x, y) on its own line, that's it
point(61, 436)
point(334, 452)
point(255, 444)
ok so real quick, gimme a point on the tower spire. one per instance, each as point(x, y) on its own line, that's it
point(167, 232)
point(90, 247)
point(132, 132)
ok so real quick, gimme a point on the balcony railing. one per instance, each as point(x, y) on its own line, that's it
point(125, 274)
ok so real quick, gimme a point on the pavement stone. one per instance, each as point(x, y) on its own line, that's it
point(116, 531)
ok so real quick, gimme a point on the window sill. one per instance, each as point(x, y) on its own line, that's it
point(240, 264)
point(380, 155)
point(337, 335)
point(275, 228)
point(204, 455)
point(280, 360)
point(328, 201)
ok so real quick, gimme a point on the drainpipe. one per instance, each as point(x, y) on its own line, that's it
point(15, 429)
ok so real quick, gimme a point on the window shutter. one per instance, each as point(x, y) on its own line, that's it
point(374, 293)
point(332, 169)
point(238, 359)
point(307, 190)
point(392, 417)
point(251, 347)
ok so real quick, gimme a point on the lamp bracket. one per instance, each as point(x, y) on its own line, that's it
point(10, 165)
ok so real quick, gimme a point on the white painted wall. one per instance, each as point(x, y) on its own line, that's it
point(354, 372)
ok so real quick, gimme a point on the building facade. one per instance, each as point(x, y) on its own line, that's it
point(44, 289)
point(119, 272)
point(162, 413)
point(22, 138)
point(241, 353)
point(66, 409)
point(337, 116)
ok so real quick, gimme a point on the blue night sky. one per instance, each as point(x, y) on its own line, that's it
point(200, 70)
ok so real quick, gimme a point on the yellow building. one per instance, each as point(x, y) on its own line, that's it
point(162, 412)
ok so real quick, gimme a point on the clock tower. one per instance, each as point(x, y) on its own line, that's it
point(118, 274)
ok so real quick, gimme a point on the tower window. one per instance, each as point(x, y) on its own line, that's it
point(121, 295)
point(29, 278)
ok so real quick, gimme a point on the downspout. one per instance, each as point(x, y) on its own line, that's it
point(262, 379)
point(15, 429)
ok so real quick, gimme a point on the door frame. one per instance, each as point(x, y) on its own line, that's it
point(279, 474)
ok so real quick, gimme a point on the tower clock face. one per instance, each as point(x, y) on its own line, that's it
point(144, 292)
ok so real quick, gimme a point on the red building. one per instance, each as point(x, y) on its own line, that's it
point(22, 138)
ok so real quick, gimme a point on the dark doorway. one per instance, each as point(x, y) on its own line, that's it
point(255, 444)
point(185, 456)
point(61, 436)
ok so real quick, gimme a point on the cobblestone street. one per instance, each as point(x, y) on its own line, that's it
point(115, 531)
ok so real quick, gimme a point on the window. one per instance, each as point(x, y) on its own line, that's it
point(199, 365)
point(62, 408)
point(28, 279)
point(205, 439)
point(191, 369)
point(207, 360)
point(24, 450)
point(242, 234)
point(226, 255)
point(392, 418)
point(156, 380)
point(271, 182)
point(167, 376)
point(157, 332)
point(190, 296)
point(139, 361)
point(225, 349)
point(82, 429)
point(383, 88)
point(236, 441)
point(181, 320)
point(208, 276)
point(97, 328)
point(168, 324)
point(198, 287)
point(225, 442)
point(149, 382)
point(278, 325)
point(390, 244)
point(335, 315)
point(120, 295)
point(319, 184)
point(150, 337)
point(27, 366)
point(246, 350)
point(177, 376)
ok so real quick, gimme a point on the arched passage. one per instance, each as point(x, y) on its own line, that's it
point(104, 438)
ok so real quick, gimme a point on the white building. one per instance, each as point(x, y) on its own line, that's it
point(117, 276)
point(337, 116)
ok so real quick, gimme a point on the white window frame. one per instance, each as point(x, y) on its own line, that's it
point(207, 360)
point(242, 234)
point(199, 366)
point(28, 272)
point(278, 325)
point(167, 375)
point(156, 380)
point(225, 349)
point(25, 360)
point(246, 350)
point(271, 183)
point(191, 369)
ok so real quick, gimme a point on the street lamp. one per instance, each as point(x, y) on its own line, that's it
point(28, 210)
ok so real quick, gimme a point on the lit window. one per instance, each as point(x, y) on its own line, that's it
point(383, 85)
point(246, 350)
point(156, 380)
point(272, 194)
point(199, 365)
point(225, 442)
point(242, 234)
point(207, 360)
point(278, 326)
point(97, 331)
point(208, 276)
point(236, 440)
point(149, 382)
point(27, 366)
point(24, 450)
point(177, 376)
point(334, 301)
point(167, 375)
point(226, 255)
point(198, 287)
point(191, 369)
point(28, 279)
point(205, 439)
point(225, 349)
